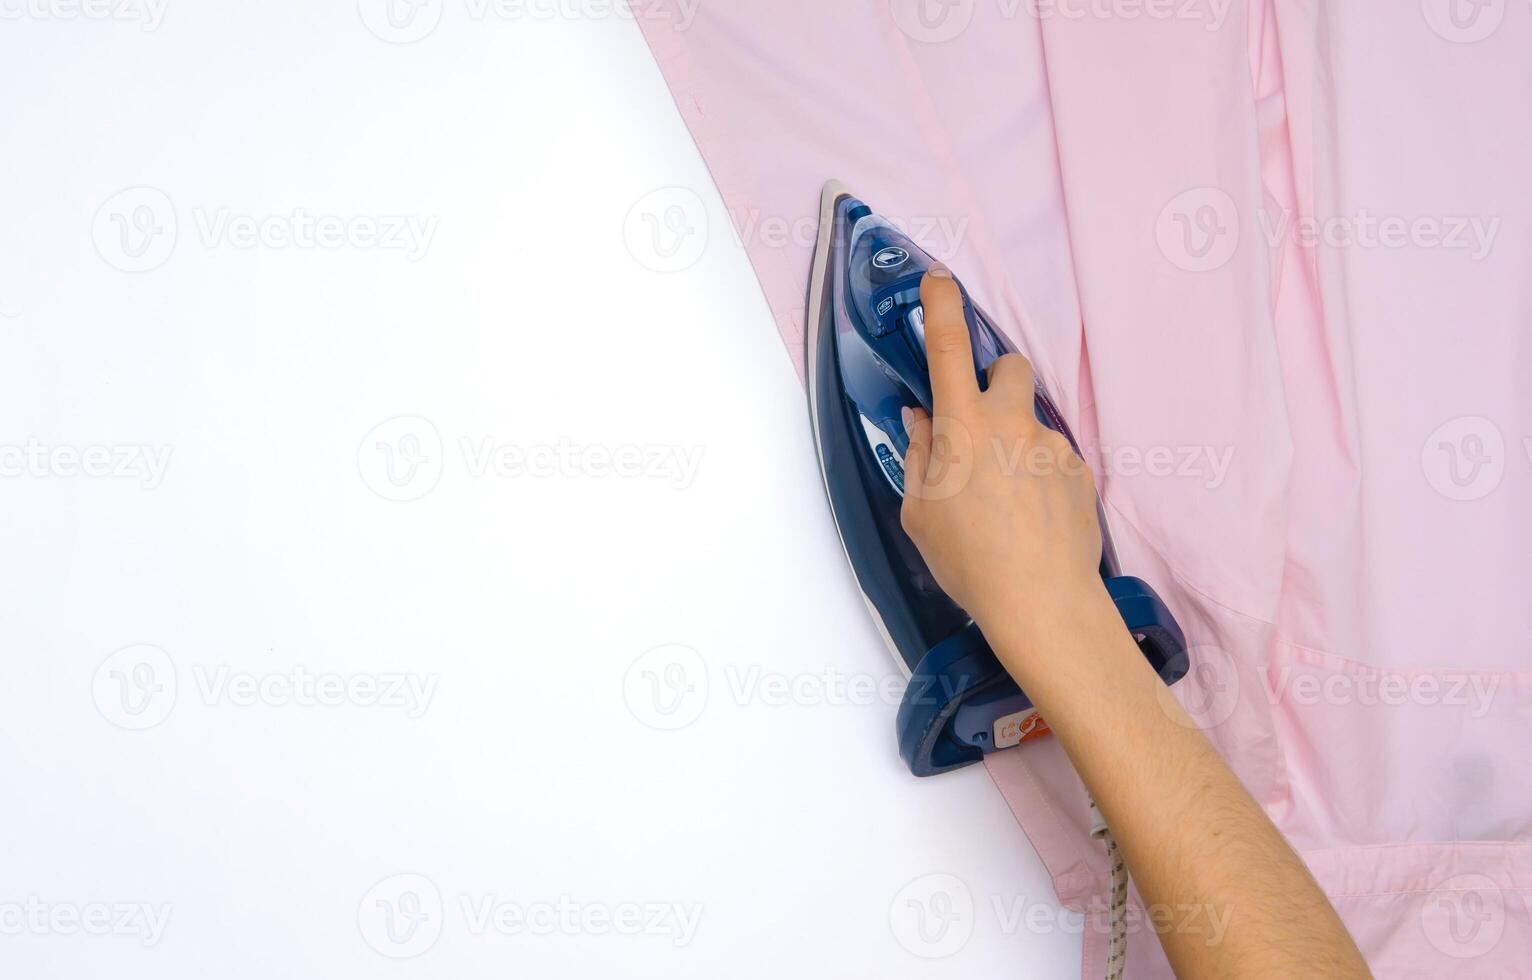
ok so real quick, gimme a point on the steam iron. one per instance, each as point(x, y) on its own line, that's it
point(866, 362)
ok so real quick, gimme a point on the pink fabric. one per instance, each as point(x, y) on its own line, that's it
point(1288, 235)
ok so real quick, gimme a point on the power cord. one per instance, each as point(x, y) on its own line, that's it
point(1117, 948)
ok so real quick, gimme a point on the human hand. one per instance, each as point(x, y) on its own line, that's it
point(1000, 506)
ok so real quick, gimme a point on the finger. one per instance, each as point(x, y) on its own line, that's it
point(948, 349)
point(1012, 374)
point(917, 424)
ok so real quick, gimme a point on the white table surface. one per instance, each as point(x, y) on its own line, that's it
point(263, 721)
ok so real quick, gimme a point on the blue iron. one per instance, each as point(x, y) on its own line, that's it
point(866, 362)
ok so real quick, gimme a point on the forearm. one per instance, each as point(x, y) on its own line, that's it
point(1199, 847)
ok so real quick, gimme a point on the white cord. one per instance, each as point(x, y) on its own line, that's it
point(1117, 949)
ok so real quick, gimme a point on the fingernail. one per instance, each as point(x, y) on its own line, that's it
point(908, 418)
point(940, 271)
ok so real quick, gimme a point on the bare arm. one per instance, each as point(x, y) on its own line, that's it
point(1018, 549)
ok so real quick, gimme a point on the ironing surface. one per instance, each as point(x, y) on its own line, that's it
point(1269, 259)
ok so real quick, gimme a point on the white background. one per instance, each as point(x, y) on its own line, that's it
point(539, 769)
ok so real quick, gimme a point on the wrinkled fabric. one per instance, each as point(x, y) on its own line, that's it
point(1272, 257)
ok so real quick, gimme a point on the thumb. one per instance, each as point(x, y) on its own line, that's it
point(917, 424)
